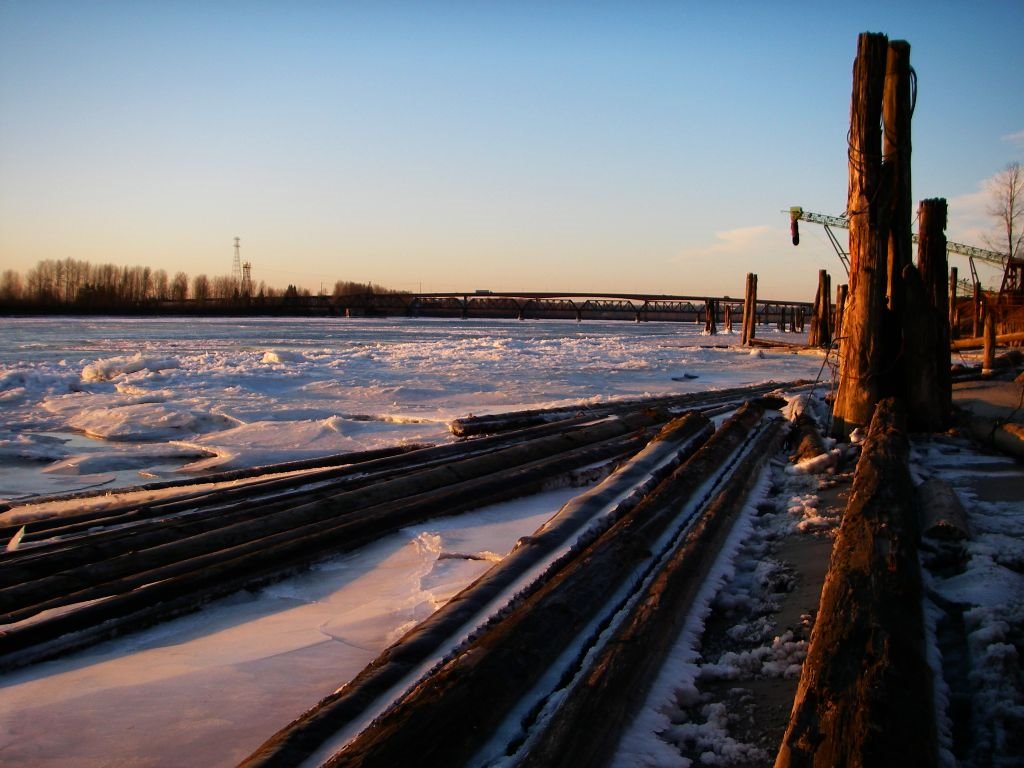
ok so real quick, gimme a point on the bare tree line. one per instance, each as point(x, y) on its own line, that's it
point(75, 283)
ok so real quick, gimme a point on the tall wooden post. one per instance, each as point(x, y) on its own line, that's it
point(710, 326)
point(862, 364)
point(749, 310)
point(988, 359)
point(728, 318)
point(929, 388)
point(954, 312)
point(896, 108)
point(824, 319)
point(979, 310)
point(814, 333)
point(841, 292)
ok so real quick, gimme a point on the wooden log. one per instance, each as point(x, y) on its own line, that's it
point(143, 598)
point(863, 364)
point(443, 720)
point(67, 586)
point(805, 437)
point(614, 685)
point(611, 500)
point(978, 342)
point(865, 691)
point(48, 558)
point(493, 423)
point(940, 511)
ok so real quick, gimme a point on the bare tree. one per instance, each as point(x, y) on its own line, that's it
point(200, 288)
point(1007, 207)
point(179, 287)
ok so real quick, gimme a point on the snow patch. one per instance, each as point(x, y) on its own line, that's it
point(105, 370)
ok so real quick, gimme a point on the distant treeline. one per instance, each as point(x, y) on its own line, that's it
point(70, 285)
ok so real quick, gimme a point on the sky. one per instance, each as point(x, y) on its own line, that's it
point(643, 147)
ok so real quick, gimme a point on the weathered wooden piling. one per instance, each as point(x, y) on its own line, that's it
point(710, 310)
point(897, 104)
point(954, 310)
point(864, 696)
point(930, 389)
point(863, 365)
point(979, 311)
point(749, 310)
point(988, 358)
point(820, 334)
point(842, 291)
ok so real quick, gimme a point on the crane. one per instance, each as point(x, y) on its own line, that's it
point(796, 213)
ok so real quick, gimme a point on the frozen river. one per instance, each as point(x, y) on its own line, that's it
point(97, 402)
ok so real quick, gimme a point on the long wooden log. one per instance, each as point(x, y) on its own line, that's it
point(342, 460)
point(605, 504)
point(67, 586)
point(443, 721)
point(409, 458)
point(184, 585)
point(864, 696)
point(45, 559)
point(494, 423)
point(613, 687)
point(978, 342)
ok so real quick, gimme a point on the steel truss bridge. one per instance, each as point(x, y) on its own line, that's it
point(527, 305)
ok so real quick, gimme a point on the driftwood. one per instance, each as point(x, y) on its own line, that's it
point(616, 496)
point(806, 439)
point(941, 513)
point(865, 692)
point(449, 716)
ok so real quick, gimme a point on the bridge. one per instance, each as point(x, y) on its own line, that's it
point(529, 305)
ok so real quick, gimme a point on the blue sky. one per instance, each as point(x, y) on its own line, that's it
point(643, 147)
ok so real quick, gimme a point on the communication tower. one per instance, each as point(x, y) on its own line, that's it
point(247, 279)
point(236, 265)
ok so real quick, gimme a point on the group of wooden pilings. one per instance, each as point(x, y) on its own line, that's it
point(821, 319)
point(895, 325)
